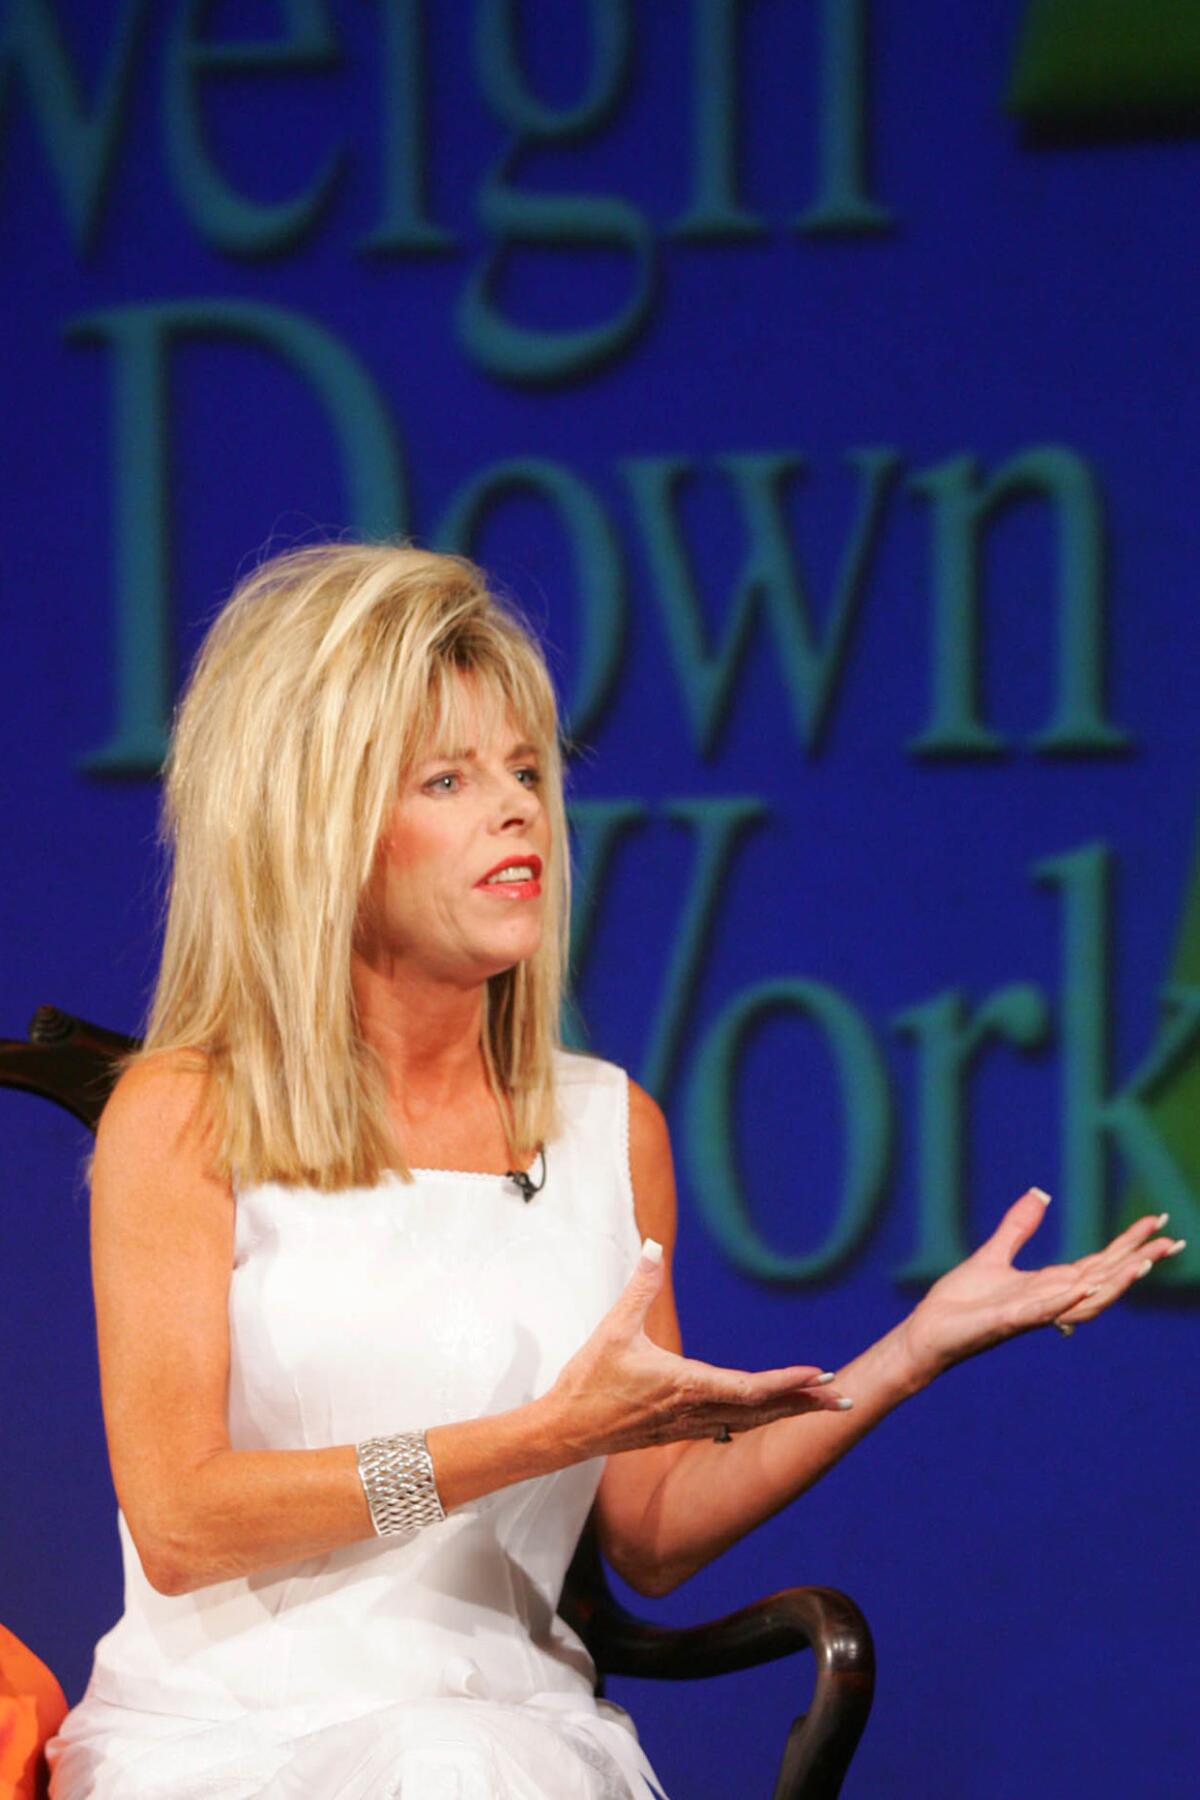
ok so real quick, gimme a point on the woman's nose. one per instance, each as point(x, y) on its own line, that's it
point(516, 804)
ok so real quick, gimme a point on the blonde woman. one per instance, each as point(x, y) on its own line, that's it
point(375, 1332)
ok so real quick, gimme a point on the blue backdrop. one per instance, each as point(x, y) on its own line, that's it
point(820, 374)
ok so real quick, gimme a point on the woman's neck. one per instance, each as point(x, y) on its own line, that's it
point(427, 1034)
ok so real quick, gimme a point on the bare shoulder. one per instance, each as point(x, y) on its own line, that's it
point(155, 1131)
point(650, 1166)
point(163, 1092)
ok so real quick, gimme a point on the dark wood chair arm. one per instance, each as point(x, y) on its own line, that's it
point(823, 1739)
point(65, 1060)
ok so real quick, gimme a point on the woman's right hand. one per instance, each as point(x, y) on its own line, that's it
point(621, 1390)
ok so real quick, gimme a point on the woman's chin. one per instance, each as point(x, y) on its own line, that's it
point(512, 948)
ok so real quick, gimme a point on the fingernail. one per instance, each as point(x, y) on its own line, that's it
point(1161, 1221)
point(652, 1250)
point(845, 1403)
point(1144, 1268)
point(1088, 1292)
point(1177, 1246)
point(1042, 1195)
point(823, 1380)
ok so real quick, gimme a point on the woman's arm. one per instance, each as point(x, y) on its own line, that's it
point(667, 1510)
point(162, 1251)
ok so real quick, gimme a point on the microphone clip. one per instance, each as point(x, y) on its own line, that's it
point(523, 1180)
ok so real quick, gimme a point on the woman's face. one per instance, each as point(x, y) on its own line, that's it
point(457, 889)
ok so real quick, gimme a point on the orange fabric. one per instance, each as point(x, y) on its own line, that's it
point(32, 1707)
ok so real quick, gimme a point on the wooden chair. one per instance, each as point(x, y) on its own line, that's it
point(72, 1063)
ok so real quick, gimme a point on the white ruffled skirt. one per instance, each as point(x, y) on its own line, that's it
point(455, 1748)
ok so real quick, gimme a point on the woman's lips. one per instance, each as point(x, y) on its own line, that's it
point(511, 890)
point(526, 889)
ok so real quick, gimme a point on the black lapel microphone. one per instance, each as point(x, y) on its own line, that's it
point(521, 1177)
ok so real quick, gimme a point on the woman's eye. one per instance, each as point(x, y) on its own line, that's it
point(451, 781)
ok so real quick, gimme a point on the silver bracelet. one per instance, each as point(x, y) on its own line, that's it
point(397, 1477)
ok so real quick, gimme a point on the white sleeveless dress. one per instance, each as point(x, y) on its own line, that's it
point(435, 1668)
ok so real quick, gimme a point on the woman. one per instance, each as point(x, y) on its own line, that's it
point(374, 1329)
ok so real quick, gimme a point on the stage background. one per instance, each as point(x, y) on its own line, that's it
point(821, 376)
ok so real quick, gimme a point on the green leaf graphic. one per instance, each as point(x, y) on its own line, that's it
point(1108, 68)
point(1174, 1108)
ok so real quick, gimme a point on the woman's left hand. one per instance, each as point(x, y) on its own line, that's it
point(985, 1299)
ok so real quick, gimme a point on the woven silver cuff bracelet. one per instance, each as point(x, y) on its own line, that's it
point(397, 1477)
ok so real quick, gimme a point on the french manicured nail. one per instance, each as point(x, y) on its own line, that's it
point(1042, 1195)
point(652, 1249)
point(1144, 1268)
point(845, 1403)
point(1177, 1246)
point(1161, 1221)
point(825, 1379)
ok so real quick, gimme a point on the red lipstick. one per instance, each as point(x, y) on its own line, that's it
point(509, 887)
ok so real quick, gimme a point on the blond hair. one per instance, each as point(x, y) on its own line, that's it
point(327, 673)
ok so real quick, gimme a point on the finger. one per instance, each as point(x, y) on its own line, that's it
point(802, 1375)
point(1137, 1237)
point(813, 1400)
point(741, 1393)
point(1020, 1222)
point(809, 1384)
point(1053, 1294)
point(1122, 1277)
point(800, 1390)
point(651, 1254)
point(749, 1416)
point(643, 1285)
point(1140, 1232)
